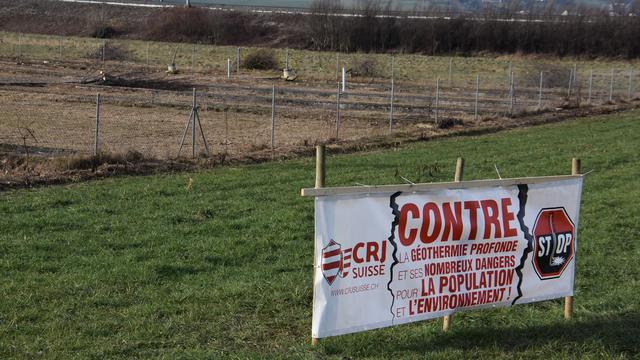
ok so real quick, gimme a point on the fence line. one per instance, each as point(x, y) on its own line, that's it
point(299, 107)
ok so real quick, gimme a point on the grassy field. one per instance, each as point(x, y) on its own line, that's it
point(318, 65)
point(155, 267)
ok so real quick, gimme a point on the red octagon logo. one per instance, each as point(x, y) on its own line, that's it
point(554, 242)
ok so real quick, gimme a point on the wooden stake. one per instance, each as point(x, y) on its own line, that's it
point(320, 166)
point(459, 170)
point(568, 300)
point(446, 321)
point(320, 176)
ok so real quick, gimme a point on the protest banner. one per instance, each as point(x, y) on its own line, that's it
point(394, 254)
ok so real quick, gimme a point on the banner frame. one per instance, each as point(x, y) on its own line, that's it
point(451, 185)
point(321, 190)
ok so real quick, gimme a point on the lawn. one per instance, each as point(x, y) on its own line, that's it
point(154, 267)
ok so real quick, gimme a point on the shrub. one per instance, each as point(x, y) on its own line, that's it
point(262, 59)
point(111, 52)
point(366, 67)
point(103, 31)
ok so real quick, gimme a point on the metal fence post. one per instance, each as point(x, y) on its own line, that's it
point(337, 64)
point(570, 82)
point(193, 126)
point(540, 93)
point(338, 112)
point(475, 108)
point(97, 129)
point(60, 50)
point(392, 94)
point(147, 54)
point(193, 58)
point(590, 85)
point(20, 46)
point(611, 87)
point(437, 99)
point(104, 49)
point(273, 117)
point(238, 61)
point(511, 95)
point(630, 83)
point(228, 68)
point(286, 58)
point(450, 69)
point(344, 79)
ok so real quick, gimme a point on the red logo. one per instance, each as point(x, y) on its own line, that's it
point(335, 261)
point(554, 242)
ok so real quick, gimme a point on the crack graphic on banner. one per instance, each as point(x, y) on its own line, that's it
point(396, 218)
point(522, 200)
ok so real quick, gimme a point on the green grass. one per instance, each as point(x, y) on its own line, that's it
point(144, 267)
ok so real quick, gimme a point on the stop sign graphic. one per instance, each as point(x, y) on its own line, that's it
point(554, 242)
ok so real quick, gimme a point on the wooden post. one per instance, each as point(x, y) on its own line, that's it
point(446, 321)
point(320, 176)
point(147, 53)
point(60, 50)
point(568, 300)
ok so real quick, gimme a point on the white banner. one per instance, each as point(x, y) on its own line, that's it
point(391, 258)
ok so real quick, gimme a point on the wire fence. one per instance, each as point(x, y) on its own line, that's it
point(252, 113)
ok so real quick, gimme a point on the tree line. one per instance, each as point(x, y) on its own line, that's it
point(375, 27)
